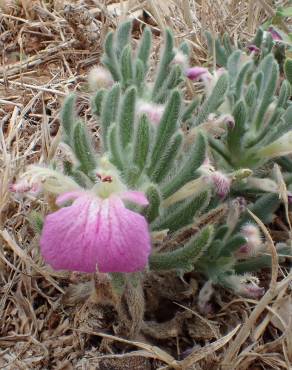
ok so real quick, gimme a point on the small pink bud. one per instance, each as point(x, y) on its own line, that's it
point(98, 78)
point(153, 111)
point(226, 119)
point(219, 180)
point(221, 183)
point(24, 186)
point(253, 241)
point(246, 286)
point(181, 59)
point(252, 290)
point(275, 35)
point(196, 73)
point(204, 298)
point(253, 49)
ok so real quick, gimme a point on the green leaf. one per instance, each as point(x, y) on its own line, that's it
point(154, 198)
point(185, 256)
point(166, 162)
point(114, 148)
point(166, 128)
point(109, 59)
point(68, 118)
point(288, 69)
point(127, 66)
point(127, 117)
point(188, 169)
point(97, 102)
point(109, 111)
point(235, 134)
point(213, 102)
point(83, 149)
point(182, 215)
point(163, 69)
point(123, 34)
point(232, 245)
point(145, 47)
point(142, 143)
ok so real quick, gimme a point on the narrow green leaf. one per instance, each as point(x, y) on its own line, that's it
point(213, 102)
point(142, 143)
point(109, 111)
point(68, 118)
point(145, 47)
point(127, 117)
point(188, 169)
point(165, 163)
point(154, 198)
point(167, 57)
point(83, 148)
point(185, 256)
point(183, 214)
point(166, 128)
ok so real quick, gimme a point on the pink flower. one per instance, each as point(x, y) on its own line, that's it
point(96, 232)
point(197, 73)
point(153, 111)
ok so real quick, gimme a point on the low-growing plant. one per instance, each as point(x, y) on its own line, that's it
point(148, 198)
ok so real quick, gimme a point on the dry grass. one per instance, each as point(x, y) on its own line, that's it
point(51, 320)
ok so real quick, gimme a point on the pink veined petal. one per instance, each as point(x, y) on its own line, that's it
point(124, 240)
point(135, 197)
point(95, 233)
point(72, 195)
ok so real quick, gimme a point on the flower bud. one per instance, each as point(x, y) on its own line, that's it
point(204, 298)
point(253, 241)
point(197, 73)
point(99, 78)
point(219, 180)
point(246, 286)
point(181, 59)
point(25, 186)
point(153, 111)
point(275, 34)
point(254, 49)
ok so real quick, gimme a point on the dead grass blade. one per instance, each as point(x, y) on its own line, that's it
point(28, 260)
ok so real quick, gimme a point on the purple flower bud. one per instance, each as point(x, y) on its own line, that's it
point(222, 183)
point(229, 121)
point(153, 111)
point(253, 241)
point(25, 186)
point(246, 285)
point(253, 49)
point(275, 35)
point(196, 73)
point(181, 59)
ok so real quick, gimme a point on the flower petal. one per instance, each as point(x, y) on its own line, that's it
point(124, 240)
point(135, 197)
point(72, 195)
point(95, 233)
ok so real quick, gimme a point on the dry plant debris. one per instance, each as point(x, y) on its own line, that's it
point(55, 320)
